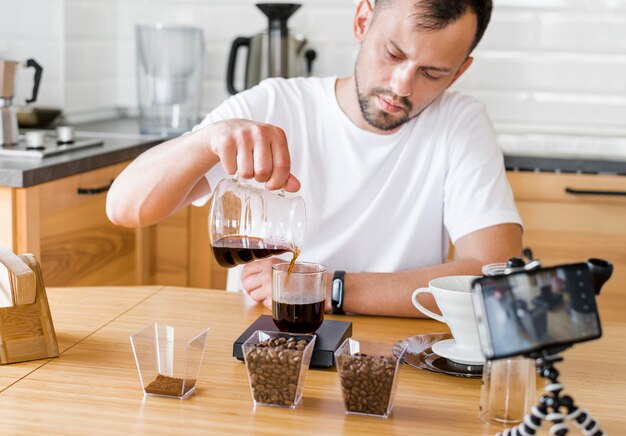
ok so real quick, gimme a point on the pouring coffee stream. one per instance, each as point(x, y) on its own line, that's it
point(248, 223)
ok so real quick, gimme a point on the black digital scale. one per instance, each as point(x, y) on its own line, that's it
point(329, 336)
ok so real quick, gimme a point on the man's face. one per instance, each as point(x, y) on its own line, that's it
point(401, 70)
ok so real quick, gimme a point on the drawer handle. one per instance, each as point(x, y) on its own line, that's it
point(94, 191)
point(593, 192)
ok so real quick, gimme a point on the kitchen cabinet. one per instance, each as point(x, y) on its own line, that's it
point(64, 223)
point(572, 217)
point(177, 252)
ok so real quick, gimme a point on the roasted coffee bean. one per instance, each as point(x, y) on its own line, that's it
point(274, 368)
point(366, 383)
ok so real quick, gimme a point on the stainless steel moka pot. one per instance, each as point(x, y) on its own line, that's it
point(8, 112)
point(272, 53)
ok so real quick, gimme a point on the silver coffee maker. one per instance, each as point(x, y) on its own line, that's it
point(272, 53)
point(8, 112)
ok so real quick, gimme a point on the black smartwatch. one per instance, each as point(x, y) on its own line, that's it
point(336, 293)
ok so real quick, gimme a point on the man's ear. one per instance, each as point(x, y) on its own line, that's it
point(464, 66)
point(362, 19)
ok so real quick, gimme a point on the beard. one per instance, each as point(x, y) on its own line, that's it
point(376, 117)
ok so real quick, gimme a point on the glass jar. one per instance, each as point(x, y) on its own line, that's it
point(247, 223)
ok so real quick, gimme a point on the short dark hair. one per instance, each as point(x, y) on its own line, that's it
point(437, 14)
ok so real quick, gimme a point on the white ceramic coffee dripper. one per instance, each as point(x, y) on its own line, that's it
point(454, 299)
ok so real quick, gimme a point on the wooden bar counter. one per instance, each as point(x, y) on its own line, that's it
point(93, 387)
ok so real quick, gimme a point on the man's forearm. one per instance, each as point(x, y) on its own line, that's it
point(390, 293)
point(160, 181)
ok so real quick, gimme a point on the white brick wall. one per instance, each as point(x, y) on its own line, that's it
point(91, 60)
point(559, 63)
point(222, 21)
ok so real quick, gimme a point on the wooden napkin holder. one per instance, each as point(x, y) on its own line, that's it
point(26, 329)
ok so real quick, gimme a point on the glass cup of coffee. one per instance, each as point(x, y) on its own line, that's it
point(247, 223)
point(298, 296)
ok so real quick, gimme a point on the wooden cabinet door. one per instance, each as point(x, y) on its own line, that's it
point(204, 270)
point(567, 227)
point(78, 244)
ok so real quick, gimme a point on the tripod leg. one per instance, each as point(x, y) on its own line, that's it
point(529, 426)
point(559, 428)
point(583, 420)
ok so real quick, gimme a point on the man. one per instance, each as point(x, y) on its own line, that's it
point(391, 166)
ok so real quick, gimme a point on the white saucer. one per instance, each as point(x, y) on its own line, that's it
point(451, 351)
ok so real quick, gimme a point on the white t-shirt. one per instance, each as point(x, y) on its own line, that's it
point(381, 203)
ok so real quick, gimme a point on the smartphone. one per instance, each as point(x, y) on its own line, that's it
point(529, 311)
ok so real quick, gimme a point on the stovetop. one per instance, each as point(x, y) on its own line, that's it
point(50, 147)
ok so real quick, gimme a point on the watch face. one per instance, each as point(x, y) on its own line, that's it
point(336, 293)
point(336, 290)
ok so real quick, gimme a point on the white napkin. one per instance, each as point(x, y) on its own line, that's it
point(6, 299)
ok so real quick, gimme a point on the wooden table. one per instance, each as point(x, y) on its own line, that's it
point(93, 386)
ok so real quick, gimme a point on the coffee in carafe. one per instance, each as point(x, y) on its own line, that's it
point(231, 251)
point(247, 223)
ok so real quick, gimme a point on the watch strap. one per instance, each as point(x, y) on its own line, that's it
point(337, 292)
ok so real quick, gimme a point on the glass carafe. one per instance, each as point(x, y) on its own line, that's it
point(247, 223)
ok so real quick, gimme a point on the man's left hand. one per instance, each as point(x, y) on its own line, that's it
point(256, 279)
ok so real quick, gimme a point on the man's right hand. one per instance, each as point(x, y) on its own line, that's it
point(254, 150)
point(171, 175)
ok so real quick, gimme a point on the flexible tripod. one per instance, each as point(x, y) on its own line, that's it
point(550, 404)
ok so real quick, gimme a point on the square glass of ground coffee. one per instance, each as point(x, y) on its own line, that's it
point(169, 358)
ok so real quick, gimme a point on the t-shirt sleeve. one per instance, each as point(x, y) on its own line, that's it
point(477, 193)
point(252, 104)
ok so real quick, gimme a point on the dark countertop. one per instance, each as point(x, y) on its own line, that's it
point(123, 141)
point(565, 165)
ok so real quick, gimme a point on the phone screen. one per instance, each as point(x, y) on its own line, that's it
point(531, 310)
